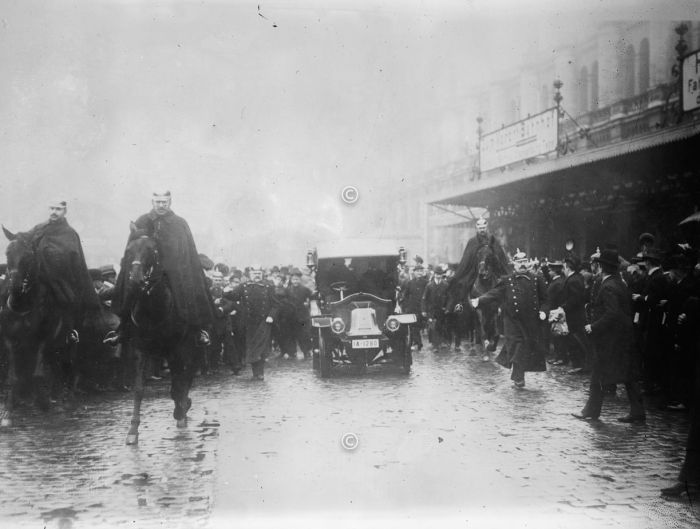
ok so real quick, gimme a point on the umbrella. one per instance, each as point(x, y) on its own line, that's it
point(690, 227)
point(695, 217)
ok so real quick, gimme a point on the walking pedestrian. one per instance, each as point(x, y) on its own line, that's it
point(259, 308)
point(611, 331)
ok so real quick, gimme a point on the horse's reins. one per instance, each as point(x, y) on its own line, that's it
point(148, 282)
point(25, 288)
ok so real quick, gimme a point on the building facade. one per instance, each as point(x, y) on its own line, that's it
point(624, 164)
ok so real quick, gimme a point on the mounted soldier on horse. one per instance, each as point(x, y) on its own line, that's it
point(483, 262)
point(47, 301)
point(164, 303)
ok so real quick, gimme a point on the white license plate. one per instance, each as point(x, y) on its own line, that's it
point(365, 344)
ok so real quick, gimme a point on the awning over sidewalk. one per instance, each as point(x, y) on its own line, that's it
point(495, 188)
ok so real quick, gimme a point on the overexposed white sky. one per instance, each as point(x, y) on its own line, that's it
point(254, 114)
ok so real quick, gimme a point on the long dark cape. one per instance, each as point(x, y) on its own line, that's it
point(180, 261)
point(62, 267)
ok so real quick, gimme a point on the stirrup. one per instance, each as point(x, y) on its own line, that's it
point(203, 338)
point(112, 338)
point(73, 336)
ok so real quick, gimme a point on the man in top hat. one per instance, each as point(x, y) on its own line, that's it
point(181, 264)
point(653, 298)
point(686, 331)
point(573, 303)
point(433, 307)
point(610, 329)
point(678, 369)
point(554, 301)
point(259, 307)
point(62, 267)
point(646, 243)
point(468, 268)
point(522, 296)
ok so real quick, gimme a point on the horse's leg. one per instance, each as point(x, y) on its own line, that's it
point(493, 332)
point(41, 382)
point(70, 376)
point(182, 368)
point(132, 437)
point(12, 381)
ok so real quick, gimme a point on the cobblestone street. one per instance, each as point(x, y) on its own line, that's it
point(453, 443)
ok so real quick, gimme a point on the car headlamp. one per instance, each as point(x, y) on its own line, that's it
point(338, 325)
point(392, 324)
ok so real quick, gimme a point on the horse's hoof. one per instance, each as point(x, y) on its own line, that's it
point(132, 439)
point(181, 423)
point(486, 358)
point(5, 422)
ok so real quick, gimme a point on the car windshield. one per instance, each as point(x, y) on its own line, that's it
point(372, 275)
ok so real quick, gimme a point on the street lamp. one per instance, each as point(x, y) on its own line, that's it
point(479, 132)
point(557, 95)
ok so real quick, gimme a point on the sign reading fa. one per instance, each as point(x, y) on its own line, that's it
point(690, 80)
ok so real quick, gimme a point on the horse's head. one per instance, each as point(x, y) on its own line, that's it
point(21, 262)
point(141, 257)
point(486, 262)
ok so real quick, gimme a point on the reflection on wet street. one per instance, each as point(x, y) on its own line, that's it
point(74, 470)
point(452, 441)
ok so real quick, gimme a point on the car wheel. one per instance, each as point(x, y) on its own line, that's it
point(407, 357)
point(325, 356)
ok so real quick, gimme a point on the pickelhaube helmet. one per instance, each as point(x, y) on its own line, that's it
point(520, 257)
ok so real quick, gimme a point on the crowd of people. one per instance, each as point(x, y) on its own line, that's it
point(632, 322)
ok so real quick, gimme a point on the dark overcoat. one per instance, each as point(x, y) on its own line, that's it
point(612, 332)
point(521, 297)
point(181, 264)
point(299, 298)
point(554, 294)
point(434, 299)
point(412, 295)
point(257, 302)
point(574, 301)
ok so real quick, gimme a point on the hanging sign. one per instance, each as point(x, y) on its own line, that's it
point(524, 139)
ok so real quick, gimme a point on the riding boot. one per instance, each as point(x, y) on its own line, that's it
point(258, 369)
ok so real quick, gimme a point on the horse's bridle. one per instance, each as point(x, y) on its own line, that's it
point(149, 282)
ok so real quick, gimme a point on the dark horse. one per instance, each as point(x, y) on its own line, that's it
point(34, 332)
point(154, 328)
point(486, 316)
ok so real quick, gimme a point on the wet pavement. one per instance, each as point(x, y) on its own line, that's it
point(451, 444)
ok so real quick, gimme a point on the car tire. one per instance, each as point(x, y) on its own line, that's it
point(407, 357)
point(325, 356)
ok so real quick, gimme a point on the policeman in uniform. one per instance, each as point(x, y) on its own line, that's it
point(522, 296)
point(234, 344)
point(259, 308)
